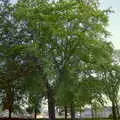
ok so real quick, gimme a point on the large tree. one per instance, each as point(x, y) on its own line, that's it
point(68, 34)
point(16, 62)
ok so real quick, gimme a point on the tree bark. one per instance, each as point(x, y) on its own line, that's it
point(114, 111)
point(35, 114)
point(117, 110)
point(72, 111)
point(51, 102)
point(65, 109)
point(10, 111)
point(8, 103)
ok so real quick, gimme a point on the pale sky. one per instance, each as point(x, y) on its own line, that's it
point(114, 23)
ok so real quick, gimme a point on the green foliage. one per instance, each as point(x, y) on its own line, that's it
point(62, 42)
point(70, 39)
point(16, 62)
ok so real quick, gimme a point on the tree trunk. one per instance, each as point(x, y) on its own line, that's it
point(65, 109)
point(10, 111)
point(117, 110)
point(8, 103)
point(35, 114)
point(72, 111)
point(92, 112)
point(51, 102)
point(114, 111)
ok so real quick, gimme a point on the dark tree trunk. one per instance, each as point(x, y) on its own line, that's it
point(51, 102)
point(35, 116)
point(8, 103)
point(117, 110)
point(114, 111)
point(72, 111)
point(65, 108)
point(10, 111)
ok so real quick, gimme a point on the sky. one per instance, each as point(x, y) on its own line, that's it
point(114, 23)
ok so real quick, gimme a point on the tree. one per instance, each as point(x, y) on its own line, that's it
point(112, 84)
point(65, 39)
point(109, 74)
point(16, 62)
point(36, 91)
